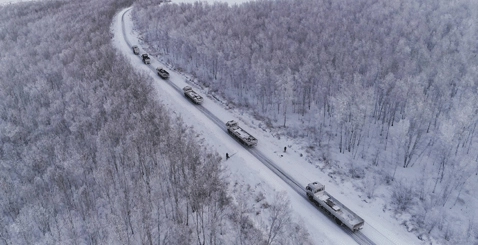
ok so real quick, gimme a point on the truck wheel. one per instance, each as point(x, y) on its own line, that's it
point(338, 221)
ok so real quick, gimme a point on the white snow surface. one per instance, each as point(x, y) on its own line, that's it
point(212, 1)
point(3, 2)
point(380, 225)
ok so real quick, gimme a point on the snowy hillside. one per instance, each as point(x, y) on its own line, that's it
point(368, 97)
point(88, 156)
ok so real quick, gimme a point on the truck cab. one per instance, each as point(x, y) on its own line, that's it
point(314, 187)
point(231, 124)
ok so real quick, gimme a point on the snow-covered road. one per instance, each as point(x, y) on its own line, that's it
point(292, 171)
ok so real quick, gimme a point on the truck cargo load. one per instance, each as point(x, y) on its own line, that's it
point(342, 215)
point(192, 95)
point(240, 134)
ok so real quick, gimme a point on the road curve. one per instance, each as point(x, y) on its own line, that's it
point(358, 236)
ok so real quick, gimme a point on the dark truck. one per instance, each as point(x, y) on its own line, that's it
point(146, 59)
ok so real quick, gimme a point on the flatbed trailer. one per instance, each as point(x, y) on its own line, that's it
point(192, 95)
point(240, 134)
point(342, 215)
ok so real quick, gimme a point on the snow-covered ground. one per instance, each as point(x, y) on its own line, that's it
point(212, 1)
point(2, 2)
point(244, 168)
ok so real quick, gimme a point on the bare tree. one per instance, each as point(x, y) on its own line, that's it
point(279, 218)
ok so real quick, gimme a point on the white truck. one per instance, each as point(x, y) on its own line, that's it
point(192, 95)
point(162, 73)
point(135, 50)
point(342, 215)
point(241, 134)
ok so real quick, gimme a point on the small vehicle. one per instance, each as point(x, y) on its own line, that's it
point(146, 59)
point(341, 214)
point(135, 50)
point(162, 73)
point(240, 134)
point(192, 95)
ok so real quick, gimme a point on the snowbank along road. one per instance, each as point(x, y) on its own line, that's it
point(358, 236)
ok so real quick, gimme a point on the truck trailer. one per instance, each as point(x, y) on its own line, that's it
point(240, 134)
point(192, 95)
point(341, 214)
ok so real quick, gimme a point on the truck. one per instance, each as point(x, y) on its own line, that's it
point(341, 214)
point(135, 50)
point(162, 73)
point(192, 95)
point(240, 134)
point(146, 59)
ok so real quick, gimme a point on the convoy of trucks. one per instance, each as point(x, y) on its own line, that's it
point(315, 191)
point(342, 215)
point(192, 95)
point(240, 134)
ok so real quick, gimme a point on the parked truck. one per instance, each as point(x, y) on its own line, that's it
point(192, 95)
point(162, 73)
point(342, 215)
point(241, 134)
point(146, 59)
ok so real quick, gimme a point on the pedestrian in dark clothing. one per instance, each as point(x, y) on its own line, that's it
point(285, 148)
point(227, 156)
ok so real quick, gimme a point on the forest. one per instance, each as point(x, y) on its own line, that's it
point(89, 156)
point(390, 84)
